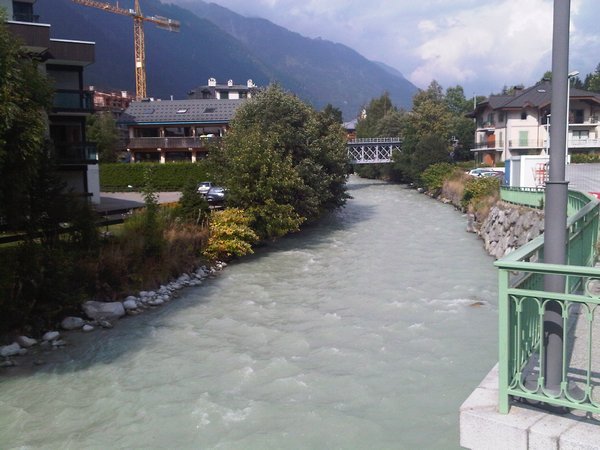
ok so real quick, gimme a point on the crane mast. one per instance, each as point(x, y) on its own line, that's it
point(138, 35)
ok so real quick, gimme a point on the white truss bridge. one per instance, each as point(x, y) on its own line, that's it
point(373, 150)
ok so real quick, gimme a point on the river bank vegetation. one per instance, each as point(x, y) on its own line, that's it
point(283, 164)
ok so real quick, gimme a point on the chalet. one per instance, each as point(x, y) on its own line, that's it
point(229, 91)
point(63, 61)
point(519, 124)
point(175, 130)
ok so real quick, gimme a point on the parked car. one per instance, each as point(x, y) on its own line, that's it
point(216, 196)
point(480, 171)
point(204, 187)
point(493, 173)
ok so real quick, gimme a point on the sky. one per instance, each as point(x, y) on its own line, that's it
point(481, 45)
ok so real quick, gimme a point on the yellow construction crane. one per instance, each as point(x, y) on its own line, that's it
point(138, 36)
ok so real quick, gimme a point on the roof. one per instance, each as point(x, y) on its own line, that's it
point(536, 96)
point(180, 111)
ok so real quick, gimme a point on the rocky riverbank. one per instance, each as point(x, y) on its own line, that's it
point(508, 227)
point(26, 351)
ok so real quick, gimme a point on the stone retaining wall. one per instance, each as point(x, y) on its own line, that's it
point(508, 227)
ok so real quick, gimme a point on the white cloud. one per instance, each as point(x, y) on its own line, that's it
point(503, 44)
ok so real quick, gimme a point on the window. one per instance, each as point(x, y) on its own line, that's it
point(209, 110)
point(501, 116)
point(181, 111)
point(580, 135)
point(224, 95)
point(523, 115)
point(523, 138)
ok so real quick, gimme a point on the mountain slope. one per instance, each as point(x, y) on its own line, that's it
point(326, 72)
point(215, 42)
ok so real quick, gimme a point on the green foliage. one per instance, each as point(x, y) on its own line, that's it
point(41, 284)
point(479, 187)
point(282, 161)
point(25, 96)
point(192, 206)
point(434, 176)
point(431, 149)
point(378, 108)
point(166, 177)
point(230, 234)
point(332, 113)
point(580, 158)
point(102, 129)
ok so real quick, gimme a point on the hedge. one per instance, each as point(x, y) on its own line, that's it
point(116, 177)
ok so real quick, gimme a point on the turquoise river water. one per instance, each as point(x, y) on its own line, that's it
point(358, 333)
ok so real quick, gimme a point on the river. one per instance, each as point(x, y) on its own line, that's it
point(358, 333)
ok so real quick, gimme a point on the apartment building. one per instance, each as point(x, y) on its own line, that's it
point(519, 124)
point(175, 130)
point(229, 91)
point(63, 61)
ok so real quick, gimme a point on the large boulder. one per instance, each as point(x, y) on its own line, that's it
point(72, 323)
point(10, 350)
point(103, 310)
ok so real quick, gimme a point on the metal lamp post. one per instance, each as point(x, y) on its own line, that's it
point(570, 76)
point(555, 235)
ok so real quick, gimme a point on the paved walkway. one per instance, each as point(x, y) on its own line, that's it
point(117, 202)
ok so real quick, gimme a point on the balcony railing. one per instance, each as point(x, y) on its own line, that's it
point(171, 142)
point(523, 302)
point(488, 145)
point(26, 17)
point(83, 153)
point(584, 143)
point(486, 125)
point(527, 143)
point(72, 100)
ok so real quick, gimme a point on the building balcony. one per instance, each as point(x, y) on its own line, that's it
point(584, 143)
point(194, 143)
point(35, 37)
point(487, 125)
point(76, 154)
point(488, 146)
point(26, 17)
point(73, 101)
point(73, 53)
point(527, 144)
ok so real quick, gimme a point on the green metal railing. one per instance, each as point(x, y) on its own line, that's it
point(523, 302)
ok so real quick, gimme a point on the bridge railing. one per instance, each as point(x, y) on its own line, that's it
point(523, 302)
point(383, 140)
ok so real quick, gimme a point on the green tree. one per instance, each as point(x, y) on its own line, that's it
point(367, 126)
point(592, 80)
point(25, 96)
point(102, 129)
point(333, 112)
point(282, 162)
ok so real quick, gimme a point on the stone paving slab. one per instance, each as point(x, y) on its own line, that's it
point(524, 427)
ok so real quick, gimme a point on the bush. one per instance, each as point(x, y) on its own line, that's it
point(165, 177)
point(476, 188)
point(434, 176)
point(230, 234)
point(581, 158)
